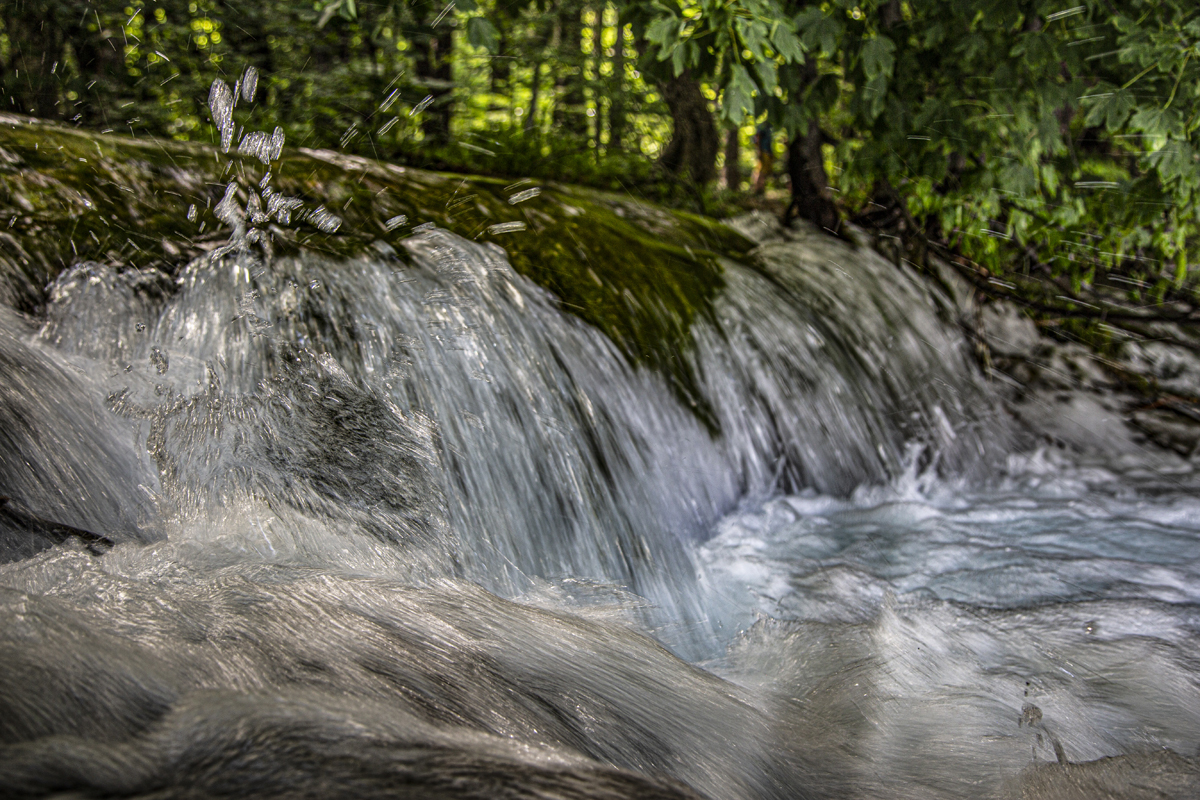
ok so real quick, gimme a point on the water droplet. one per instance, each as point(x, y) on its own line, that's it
point(159, 359)
point(227, 210)
point(249, 84)
point(324, 220)
point(220, 102)
point(421, 106)
point(387, 103)
point(266, 148)
point(528, 194)
point(506, 227)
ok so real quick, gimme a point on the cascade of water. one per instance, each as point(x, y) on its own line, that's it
point(824, 376)
point(557, 459)
point(67, 459)
point(319, 473)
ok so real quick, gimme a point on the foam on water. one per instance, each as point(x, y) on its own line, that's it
point(1030, 538)
point(952, 636)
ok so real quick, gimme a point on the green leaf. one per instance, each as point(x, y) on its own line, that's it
point(481, 33)
point(1050, 178)
point(766, 76)
point(875, 96)
point(1049, 133)
point(1036, 48)
point(787, 44)
point(663, 32)
point(1156, 121)
point(1175, 161)
point(793, 119)
point(972, 45)
point(1053, 96)
point(1018, 178)
point(935, 34)
point(818, 31)
point(823, 93)
point(877, 57)
point(738, 95)
point(754, 36)
point(1109, 108)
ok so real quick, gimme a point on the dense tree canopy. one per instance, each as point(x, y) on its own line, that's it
point(1037, 137)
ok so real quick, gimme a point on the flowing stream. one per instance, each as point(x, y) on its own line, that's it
point(401, 525)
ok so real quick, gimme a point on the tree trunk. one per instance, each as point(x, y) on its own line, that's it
point(101, 74)
point(891, 14)
point(692, 151)
point(432, 64)
point(569, 109)
point(616, 107)
point(733, 169)
point(597, 60)
point(535, 86)
point(811, 198)
point(500, 67)
point(29, 74)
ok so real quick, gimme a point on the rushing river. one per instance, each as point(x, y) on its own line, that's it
point(399, 525)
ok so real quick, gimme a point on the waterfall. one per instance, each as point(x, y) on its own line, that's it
point(402, 521)
point(445, 405)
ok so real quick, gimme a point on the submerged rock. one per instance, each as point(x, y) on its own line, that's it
point(1009, 332)
point(1161, 775)
point(1173, 427)
point(23, 534)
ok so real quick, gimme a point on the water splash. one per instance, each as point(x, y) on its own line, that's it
point(220, 103)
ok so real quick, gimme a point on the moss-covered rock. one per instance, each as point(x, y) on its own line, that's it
point(640, 273)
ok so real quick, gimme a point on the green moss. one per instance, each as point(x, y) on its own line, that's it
point(639, 273)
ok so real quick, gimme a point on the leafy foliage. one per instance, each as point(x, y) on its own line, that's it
point(1035, 138)
point(1031, 137)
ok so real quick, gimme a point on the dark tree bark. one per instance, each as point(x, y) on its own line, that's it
point(101, 72)
point(534, 91)
point(733, 169)
point(597, 60)
point(29, 74)
point(692, 151)
point(569, 115)
point(811, 198)
point(616, 108)
point(890, 14)
point(432, 64)
point(500, 66)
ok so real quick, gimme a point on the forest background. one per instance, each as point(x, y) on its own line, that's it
point(1049, 150)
